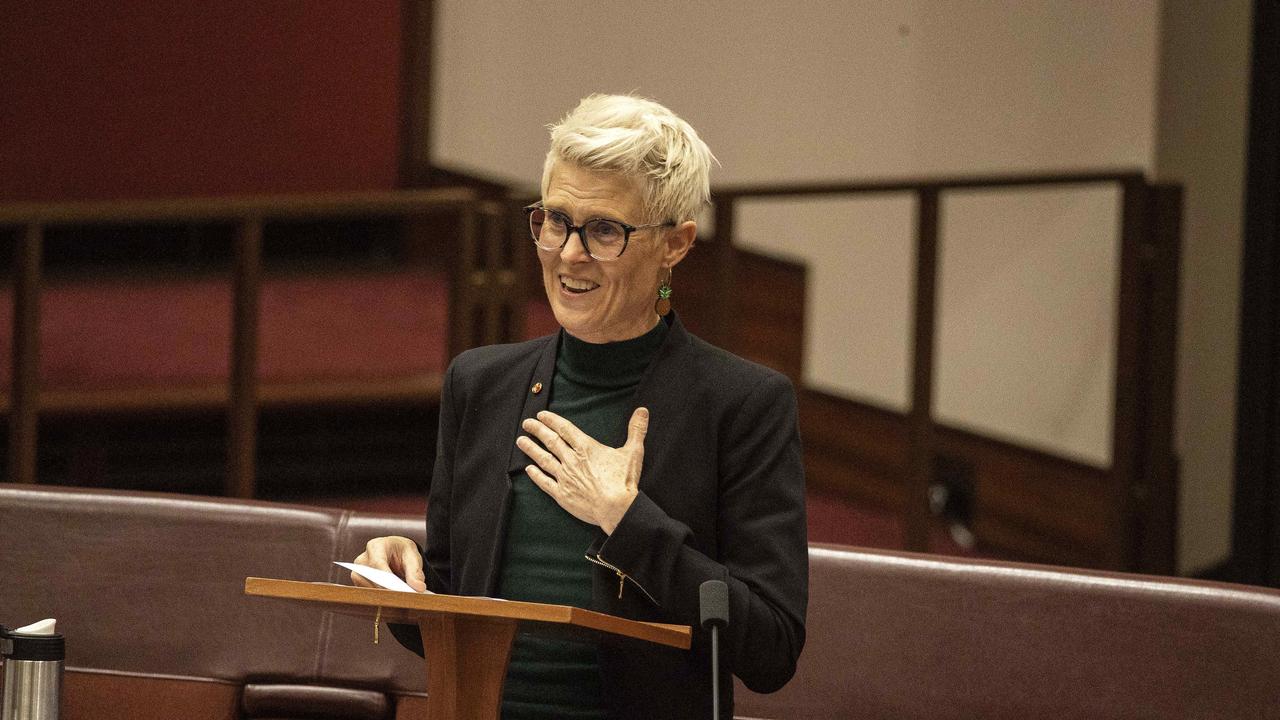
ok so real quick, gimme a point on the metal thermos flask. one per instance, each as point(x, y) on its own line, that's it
point(32, 672)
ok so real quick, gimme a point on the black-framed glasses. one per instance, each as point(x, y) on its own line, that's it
point(603, 239)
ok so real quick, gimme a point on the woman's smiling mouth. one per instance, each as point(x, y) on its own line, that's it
point(576, 286)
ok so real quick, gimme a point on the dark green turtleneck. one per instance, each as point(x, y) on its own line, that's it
point(544, 557)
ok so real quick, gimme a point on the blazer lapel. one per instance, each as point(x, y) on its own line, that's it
point(661, 390)
point(533, 397)
point(537, 394)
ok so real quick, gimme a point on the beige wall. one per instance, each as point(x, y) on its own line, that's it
point(811, 90)
point(880, 88)
point(1204, 55)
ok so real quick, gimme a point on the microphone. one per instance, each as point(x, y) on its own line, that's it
point(713, 606)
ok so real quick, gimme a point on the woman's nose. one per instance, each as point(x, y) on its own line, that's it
point(575, 248)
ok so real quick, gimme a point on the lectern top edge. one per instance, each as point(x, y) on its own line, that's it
point(411, 605)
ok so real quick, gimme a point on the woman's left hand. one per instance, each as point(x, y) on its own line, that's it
point(593, 482)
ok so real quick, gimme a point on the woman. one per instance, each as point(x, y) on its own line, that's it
point(622, 462)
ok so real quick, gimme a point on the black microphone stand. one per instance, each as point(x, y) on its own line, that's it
point(713, 604)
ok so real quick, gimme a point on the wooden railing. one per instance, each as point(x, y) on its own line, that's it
point(1142, 477)
point(488, 283)
point(484, 297)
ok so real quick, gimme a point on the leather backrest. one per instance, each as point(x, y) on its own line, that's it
point(348, 653)
point(149, 588)
point(154, 583)
point(904, 635)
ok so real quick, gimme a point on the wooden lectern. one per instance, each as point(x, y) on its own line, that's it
point(467, 640)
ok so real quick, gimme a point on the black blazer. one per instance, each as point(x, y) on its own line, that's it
point(721, 496)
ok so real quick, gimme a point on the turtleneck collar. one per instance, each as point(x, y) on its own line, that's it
point(609, 365)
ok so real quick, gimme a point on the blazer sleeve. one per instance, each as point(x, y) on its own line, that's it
point(762, 541)
point(437, 556)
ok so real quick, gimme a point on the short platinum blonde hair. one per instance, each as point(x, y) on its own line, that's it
point(641, 139)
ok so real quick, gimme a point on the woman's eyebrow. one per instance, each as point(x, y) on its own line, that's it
point(561, 211)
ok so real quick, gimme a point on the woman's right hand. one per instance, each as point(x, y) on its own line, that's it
point(394, 554)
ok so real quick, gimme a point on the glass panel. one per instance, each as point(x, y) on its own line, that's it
point(1026, 317)
point(860, 255)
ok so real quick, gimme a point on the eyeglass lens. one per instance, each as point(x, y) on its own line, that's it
point(605, 238)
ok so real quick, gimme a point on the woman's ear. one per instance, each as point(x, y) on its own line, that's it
point(679, 239)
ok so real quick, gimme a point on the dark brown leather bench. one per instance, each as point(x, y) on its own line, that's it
point(902, 635)
point(148, 590)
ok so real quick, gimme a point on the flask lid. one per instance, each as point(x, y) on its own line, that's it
point(37, 641)
point(36, 647)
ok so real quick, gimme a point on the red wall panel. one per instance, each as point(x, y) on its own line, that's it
point(149, 98)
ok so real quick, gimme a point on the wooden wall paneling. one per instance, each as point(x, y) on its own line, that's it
point(515, 260)
point(487, 272)
point(500, 278)
point(693, 288)
point(1030, 505)
point(1255, 532)
point(855, 450)
point(723, 308)
point(1156, 524)
point(760, 318)
point(109, 695)
point(25, 407)
point(917, 184)
point(489, 281)
point(920, 473)
point(416, 27)
point(189, 98)
point(421, 244)
point(234, 208)
point(242, 408)
point(464, 314)
point(1126, 431)
point(769, 321)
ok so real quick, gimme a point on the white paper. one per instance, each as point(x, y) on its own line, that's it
point(381, 578)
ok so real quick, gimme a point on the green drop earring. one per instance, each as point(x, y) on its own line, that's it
point(662, 305)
